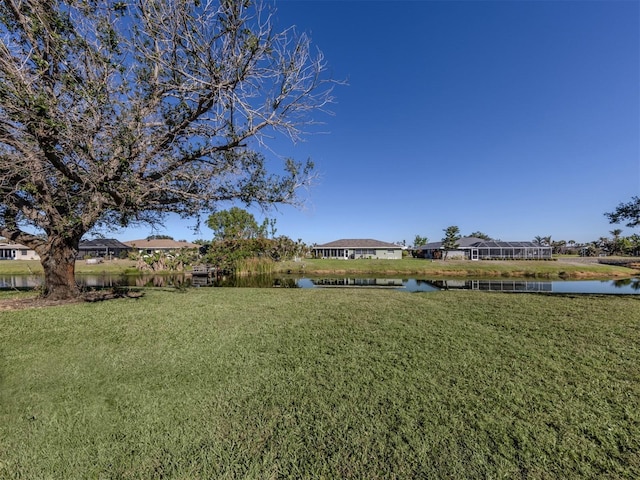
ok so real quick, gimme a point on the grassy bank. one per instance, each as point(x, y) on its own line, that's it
point(456, 268)
point(562, 268)
point(33, 267)
point(279, 383)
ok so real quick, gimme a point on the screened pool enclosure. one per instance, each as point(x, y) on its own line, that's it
point(492, 250)
point(473, 248)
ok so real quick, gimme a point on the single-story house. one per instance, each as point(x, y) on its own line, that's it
point(16, 251)
point(472, 248)
point(358, 282)
point(159, 245)
point(358, 248)
point(102, 247)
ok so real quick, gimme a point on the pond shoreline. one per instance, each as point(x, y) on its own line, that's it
point(560, 268)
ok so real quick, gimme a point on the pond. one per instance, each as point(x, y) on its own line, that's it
point(623, 286)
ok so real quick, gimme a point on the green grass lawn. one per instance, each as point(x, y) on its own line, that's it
point(322, 383)
point(406, 266)
point(457, 268)
point(28, 267)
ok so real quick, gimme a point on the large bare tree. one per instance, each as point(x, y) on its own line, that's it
point(113, 113)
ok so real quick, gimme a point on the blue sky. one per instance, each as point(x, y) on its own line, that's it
point(515, 118)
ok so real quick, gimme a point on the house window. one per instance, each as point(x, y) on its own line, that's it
point(23, 252)
point(365, 251)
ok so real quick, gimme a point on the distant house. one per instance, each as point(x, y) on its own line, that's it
point(159, 245)
point(472, 248)
point(16, 251)
point(102, 247)
point(358, 248)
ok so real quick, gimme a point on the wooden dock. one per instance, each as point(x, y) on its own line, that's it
point(203, 271)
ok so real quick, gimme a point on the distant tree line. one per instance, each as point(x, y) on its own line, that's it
point(616, 244)
point(238, 238)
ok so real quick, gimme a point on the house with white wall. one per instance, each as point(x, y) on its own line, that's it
point(16, 251)
point(358, 248)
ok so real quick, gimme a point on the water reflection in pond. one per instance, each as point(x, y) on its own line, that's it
point(359, 282)
point(494, 285)
point(615, 287)
point(624, 286)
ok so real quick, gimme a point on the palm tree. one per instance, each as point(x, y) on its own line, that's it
point(604, 244)
point(542, 241)
point(616, 243)
point(558, 246)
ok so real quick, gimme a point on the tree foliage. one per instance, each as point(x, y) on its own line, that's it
point(113, 113)
point(238, 237)
point(236, 224)
point(478, 234)
point(629, 212)
point(450, 240)
point(159, 237)
point(542, 241)
point(418, 241)
point(228, 254)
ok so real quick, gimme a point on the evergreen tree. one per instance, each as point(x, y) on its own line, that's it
point(450, 240)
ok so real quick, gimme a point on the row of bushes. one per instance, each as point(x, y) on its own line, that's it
point(237, 256)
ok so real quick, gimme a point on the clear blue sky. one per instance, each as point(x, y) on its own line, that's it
point(515, 118)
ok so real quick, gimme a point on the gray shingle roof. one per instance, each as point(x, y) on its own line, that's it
point(358, 243)
point(160, 243)
point(463, 242)
point(102, 243)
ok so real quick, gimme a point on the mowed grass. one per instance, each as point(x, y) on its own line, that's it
point(283, 383)
point(562, 268)
point(34, 267)
point(457, 268)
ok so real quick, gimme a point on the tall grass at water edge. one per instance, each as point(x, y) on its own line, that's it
point(253, 266)
point(280, 383)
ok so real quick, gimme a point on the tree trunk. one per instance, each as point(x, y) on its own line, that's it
point(58, 258)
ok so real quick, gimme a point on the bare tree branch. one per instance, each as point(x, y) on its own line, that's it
point(119, 112)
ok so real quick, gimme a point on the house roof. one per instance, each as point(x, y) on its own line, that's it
point(98, 243)
point(468, 242)
point(160, 244)
point(464, 242)
point(359, 243)
point(14, 246)
point(495, 244)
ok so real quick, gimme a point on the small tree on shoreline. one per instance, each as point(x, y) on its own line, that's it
point(238, 238)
